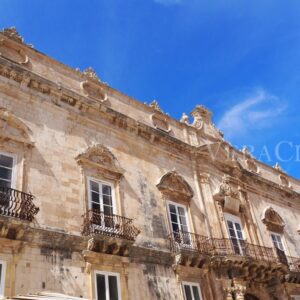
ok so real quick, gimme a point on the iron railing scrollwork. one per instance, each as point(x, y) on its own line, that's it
point(97, 222)
point(17, 204)
point(219, 247)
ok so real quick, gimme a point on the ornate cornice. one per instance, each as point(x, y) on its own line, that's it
point(88, 108)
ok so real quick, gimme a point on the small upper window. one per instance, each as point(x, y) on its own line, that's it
point(108, 286)
point(191, 291)
point(6, 170)
point(2, 278)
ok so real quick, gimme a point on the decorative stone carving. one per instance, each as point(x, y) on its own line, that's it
point(252, 166)
point(273, 220)
point(13, 34)
point(228, 197)
point(185, 119)
point(247, 152)
point(13, 128)
point(160, 122)
point(90, 73)
point(9, 51)
point(284, 180)
point(154, 104)
point(174, 185)
point(101, 158)
point(94, 91)
point(226, 189)
point(278, 167)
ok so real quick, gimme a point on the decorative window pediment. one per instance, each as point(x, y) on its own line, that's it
point(273, 220)
point(174, 185)
point(12, 128)
point(228, 196)
point(100, 157)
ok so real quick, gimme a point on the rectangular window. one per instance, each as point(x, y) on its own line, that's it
point(179, 223)
point(191, 291)
point(235, 233)
point(2, 278)
point(101, 197)
point(6, 170)
point(277, 241)
point(108, 286)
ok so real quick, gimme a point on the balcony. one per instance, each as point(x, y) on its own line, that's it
point(16, 204)
point(111, 234)
point(190, 249)
point(294, 269)
point(15, 208)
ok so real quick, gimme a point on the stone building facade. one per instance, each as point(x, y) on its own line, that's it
point(104, 197)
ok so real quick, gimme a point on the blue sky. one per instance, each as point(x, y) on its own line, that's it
point(239, 58)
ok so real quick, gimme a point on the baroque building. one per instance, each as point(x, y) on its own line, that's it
point(104, 197)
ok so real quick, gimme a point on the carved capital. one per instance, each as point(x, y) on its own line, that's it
point(204, 177)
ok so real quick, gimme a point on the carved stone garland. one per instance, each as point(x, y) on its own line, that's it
point(273, 220)
point(173, 185)
point(100, 158)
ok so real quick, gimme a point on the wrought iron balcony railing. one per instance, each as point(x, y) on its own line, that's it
point(219, 247)
point(293, 263)
point(14, 203)
point(225, 247)
point(99, 223)
point(181, 240)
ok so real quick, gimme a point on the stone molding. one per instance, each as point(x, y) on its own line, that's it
point(100, 157)
point(173, 185)
point(273, 220)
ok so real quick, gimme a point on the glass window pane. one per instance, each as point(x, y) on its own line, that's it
point(6, 161)
point(174, 218)
point(172, 209)
point(175, 227)
point(94, 186)
point(108, 210)
point(5, 173)
point(4, 183)
point(0, 273)
point(113, 287)
point(181, 211)
point(106, 189)
point(101, 287)
point(188, 293)
point(95, 206)
point(238, 226)
point(230, 225)
point(196, 293)
point(107, 200)
point(232, 233)
point(95, 197)
point(182, 220)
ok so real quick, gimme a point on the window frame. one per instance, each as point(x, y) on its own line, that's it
point(235, 219)
point(191, 284)
point(2, 283)
point(101, 182)
point(282, 241)
point(106, 274)
point(14, 168)
point(185, 207)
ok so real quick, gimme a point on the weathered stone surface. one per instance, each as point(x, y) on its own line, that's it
point(64, 126)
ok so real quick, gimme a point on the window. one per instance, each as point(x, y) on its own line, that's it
point(2, 278)
point(191, 291)
point(101, 197)
point(107, 286)
point(277, 241)
point(6, 170)
point(179, 223)
point(235, 233)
